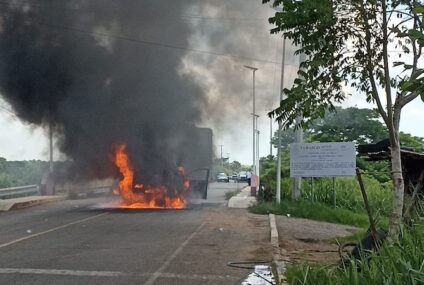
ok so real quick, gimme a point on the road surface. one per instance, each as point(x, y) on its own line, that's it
point(72, 242)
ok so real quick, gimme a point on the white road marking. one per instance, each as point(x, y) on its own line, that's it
point(197, 276)
point(60, 272)
point(85, 273)
point(50, 230)
point(161, 269)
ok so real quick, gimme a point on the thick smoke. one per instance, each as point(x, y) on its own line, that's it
point(93, 69)
point(239, 31)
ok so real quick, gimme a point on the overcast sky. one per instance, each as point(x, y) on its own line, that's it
point(243, 26)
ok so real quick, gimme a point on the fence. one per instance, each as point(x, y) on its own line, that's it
point(21, 191)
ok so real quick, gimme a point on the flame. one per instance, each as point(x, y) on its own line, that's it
point(145, 196)
point(186, 182)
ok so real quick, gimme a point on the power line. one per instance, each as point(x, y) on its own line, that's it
point(182, 16)
point(10, 112)
point(146, 42)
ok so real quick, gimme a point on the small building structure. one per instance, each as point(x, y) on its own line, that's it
point(412, 161)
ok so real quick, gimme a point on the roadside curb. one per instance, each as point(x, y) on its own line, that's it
point(278, 264)
point(25, 202)
point(242, 200)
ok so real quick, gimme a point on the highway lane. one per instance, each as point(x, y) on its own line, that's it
point(70, 243)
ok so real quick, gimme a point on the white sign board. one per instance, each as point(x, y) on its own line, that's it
point(322, 159)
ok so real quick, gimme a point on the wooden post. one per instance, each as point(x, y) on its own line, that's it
point(367, 206)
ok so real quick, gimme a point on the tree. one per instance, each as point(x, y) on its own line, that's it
point(235, 166)
point(356, 125)
point(414, 142)
point(343, 125)
point(348, 42)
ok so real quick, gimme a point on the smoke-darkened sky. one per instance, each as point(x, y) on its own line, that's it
point(94, 70)
point(143, 73)
point(108, 71)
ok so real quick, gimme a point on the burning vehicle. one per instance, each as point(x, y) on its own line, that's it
point(115, 107)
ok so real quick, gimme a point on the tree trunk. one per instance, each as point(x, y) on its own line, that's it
point(397, 176)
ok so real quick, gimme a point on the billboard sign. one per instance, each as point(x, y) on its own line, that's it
point(322, 159)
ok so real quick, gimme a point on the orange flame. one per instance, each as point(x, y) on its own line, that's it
point(146, 196)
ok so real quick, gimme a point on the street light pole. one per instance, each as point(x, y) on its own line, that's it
point(254, 69)
point(222, 162)
point(257, 145)
point(51, 147)
point(283, 63)
point(270, 136)
point(257, 153)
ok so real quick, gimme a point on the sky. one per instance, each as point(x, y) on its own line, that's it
point(234, 33)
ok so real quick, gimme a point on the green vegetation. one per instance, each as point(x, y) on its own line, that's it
point(228, 168)
point(348, 194)
point(348, 43)
point(343, 125)
point(314, 211)
point(397, 263)
point(19, 173)
point(230, 194)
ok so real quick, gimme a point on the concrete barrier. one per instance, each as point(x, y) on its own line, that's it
point(25, 202)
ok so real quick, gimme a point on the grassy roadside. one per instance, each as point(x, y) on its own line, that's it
point(314, 211)
point(396, 263)
point(231, 193)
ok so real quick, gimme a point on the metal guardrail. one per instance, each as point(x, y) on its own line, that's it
point(21, 191)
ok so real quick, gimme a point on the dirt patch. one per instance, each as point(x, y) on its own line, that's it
point(228, 235)
point(242, 231)
point(310, 241)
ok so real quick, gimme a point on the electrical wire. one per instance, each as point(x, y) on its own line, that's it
point(146, 42)
point(242, 265)
point(10, 112)
point(183, 16)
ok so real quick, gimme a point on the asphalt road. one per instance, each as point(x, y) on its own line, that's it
point(72, 242)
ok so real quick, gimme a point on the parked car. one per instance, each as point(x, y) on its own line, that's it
point(234, 177)
point(222, 177)
point(242, 176)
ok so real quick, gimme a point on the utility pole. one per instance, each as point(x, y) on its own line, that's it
point(257, 145)
point(257, 154)
point(270, 136)
point(254, 69)
point(222, 162)
point(51, 147)
point(283, 63)
point(297, 185)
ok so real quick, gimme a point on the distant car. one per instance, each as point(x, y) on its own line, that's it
point(234, 177)
point(222, 177)
point(242, 176)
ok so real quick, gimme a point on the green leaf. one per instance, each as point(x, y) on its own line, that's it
point(418, 9)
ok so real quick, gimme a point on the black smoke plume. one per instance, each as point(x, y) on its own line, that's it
point(102, 72)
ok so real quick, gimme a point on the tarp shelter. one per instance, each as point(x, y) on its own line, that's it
point(412, 161)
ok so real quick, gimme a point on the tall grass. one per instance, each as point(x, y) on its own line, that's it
point(314, 211)
point(348, 194)
point(398, 263)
